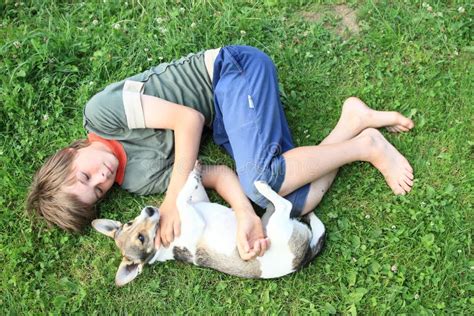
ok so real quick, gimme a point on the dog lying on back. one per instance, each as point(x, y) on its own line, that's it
point(208, 236)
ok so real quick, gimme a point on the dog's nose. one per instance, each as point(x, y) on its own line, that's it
point(150, 211)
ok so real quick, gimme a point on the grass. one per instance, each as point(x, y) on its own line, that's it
point(384, 254)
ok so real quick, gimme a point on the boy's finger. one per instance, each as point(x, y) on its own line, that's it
point(269, 244)
point(163, 240)
point(245, 246)
point(167, 236)
point(263, 247)
point(157, 240)
point(250, 255)
point(244, 251)
point(247, 256)
point(256, 247)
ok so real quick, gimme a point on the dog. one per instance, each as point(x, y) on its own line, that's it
point(208, 236)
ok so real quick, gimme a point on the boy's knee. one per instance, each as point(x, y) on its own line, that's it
point(315, 196)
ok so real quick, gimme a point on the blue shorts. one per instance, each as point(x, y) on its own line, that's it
point(250, 123)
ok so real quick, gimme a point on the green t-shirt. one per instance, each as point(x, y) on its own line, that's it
point(116, 113)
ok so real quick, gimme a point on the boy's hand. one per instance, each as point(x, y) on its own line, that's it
point(170, 224)
point(251, 241)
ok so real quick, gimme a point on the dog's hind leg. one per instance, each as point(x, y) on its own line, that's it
point(280, 203)
point(278, 224)
point(268, 213)
point(317, 229)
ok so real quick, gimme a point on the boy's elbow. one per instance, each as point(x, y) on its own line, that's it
point(215, 176)
point(200, 118)
point(193, 119)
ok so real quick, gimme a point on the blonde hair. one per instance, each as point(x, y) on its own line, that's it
point(47, 199)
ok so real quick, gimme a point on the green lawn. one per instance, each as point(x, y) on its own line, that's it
point(384, 254)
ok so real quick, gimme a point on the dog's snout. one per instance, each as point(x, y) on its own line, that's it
point(150, 211)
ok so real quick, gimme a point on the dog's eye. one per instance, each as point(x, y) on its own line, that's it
point(141, 238)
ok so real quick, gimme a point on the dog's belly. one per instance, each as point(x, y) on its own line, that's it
point(221, 228)
point(217, 246)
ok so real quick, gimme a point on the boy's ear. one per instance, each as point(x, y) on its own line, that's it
point(127, 271)
point(107, 227)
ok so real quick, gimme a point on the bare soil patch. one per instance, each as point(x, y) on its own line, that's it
point(346, 16)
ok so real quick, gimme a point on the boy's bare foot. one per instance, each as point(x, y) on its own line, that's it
point(395, 168)
point(358, 116)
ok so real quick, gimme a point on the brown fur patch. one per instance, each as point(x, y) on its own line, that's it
point(299, 245)
point(182, 254)
point(232, 264)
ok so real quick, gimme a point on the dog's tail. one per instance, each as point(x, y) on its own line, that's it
point(317, 240)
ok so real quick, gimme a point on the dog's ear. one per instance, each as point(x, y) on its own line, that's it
point(107, 227)
point(127, 271)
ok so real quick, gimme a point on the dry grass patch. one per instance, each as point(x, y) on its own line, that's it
point(345, 16)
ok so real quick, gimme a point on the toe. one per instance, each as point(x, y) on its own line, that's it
point(408, 167)
point(396, 188)
point(408, 181)
point(405, 186)
point(399, 190)
point(391, 129)
point(406, 122)
point(402, 128)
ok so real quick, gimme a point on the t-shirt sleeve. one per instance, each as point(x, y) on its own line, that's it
point(150, 180)
point(115, 111)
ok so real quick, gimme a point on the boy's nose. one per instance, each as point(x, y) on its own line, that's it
point(105, 174)
point(100, 177)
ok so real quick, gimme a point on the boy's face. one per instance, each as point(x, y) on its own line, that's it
point(94, 168)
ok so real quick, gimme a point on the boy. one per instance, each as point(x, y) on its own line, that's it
point(144, 134)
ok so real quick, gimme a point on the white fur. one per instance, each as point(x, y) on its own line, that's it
point(317, 227)
point(215, 226)
point(208, 236)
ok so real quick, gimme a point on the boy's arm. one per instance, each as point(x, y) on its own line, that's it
point(187, 125)
point(251, 240)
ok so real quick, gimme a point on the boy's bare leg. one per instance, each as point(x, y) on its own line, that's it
point(355, 117)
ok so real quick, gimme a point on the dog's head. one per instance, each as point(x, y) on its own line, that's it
point(135, 239)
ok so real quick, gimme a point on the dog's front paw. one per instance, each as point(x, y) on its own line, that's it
point(198, 168)
point(196, 173)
